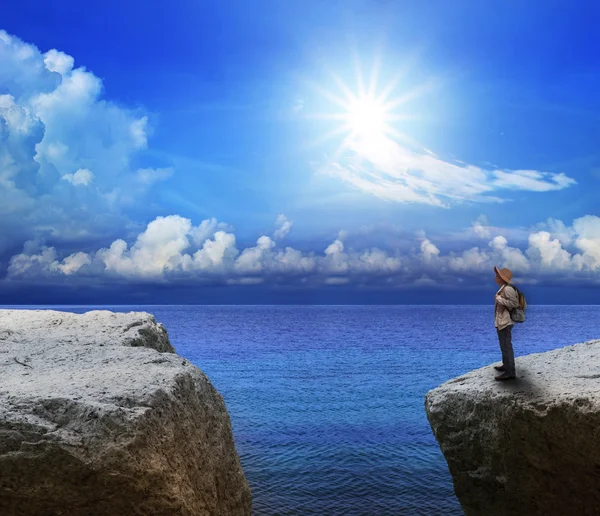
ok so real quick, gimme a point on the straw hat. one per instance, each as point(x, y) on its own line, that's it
point(505, 274)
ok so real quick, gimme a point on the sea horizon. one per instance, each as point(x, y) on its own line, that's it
point(287, 304)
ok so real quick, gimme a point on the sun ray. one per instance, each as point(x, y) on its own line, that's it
point(360, 83)
point(403, 117)
point(402, 136)
point(330, 135)
point(347, 93)
point(330, 96)
point(374, 77)
point(414, 93)
point(369, 117)
point(402, 72)
point(325, 116)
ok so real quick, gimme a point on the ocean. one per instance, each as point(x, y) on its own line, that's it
point(327, 402)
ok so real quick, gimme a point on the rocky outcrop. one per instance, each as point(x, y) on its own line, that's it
point(99, 416)
point(528, 446)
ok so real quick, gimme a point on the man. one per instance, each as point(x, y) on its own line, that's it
point(505, 300)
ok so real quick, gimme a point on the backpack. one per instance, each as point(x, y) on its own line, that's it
point(518, 314)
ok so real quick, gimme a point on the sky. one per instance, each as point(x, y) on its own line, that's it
point(329, 151)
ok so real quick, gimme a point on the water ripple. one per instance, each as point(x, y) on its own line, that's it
point(326, 402)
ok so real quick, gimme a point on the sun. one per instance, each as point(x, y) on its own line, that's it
point(368, 113)
point(366, 117)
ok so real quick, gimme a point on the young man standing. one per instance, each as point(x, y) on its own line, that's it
point(505, 300)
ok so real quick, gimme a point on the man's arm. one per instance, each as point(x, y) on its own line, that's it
point(510, 299)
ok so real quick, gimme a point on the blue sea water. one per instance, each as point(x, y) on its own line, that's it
point(327, 402)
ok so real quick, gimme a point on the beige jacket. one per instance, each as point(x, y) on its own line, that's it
point(506, 299)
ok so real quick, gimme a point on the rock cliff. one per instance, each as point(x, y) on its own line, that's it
point(529, 446)
point(99, 416)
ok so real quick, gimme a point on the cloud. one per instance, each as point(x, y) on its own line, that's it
point(207, 229)
point(148, 176)
point(587, 237)
point(480, 227)
point(66, 153)
point(60, 62)
point(394, 172)
point(82, 177)
point(172, 249)
point(559, 230)
point(531, 180)
point(35, 264)
point(548, 252)
point(155, 251)
point(71, 264)
point(252, 260)
point(428, 250)
point(471, 260)
point(284, 228)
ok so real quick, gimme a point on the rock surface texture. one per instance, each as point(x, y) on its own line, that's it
point(99, 416)
point(529, 446)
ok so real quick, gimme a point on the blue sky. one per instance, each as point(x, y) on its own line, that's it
point(182, 148)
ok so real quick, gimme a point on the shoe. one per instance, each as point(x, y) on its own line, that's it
point(505, 376)
point(499, 367)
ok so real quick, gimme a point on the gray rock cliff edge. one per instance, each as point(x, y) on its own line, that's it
point(100, 416)
point(528, 446)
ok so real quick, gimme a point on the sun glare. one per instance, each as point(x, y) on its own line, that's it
point(368, 113)
point(367, 117)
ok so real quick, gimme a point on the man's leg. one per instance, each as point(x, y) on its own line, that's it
point(502, 347)
point(508, 355)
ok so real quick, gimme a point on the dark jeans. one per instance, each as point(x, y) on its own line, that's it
point(508, 355)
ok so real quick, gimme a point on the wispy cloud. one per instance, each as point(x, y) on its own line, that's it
point(395, 172)
point(147, 176)
point(285, 226)
point(531, 180)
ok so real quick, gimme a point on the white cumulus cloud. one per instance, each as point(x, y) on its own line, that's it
point(171, 248)
point(57, 131)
